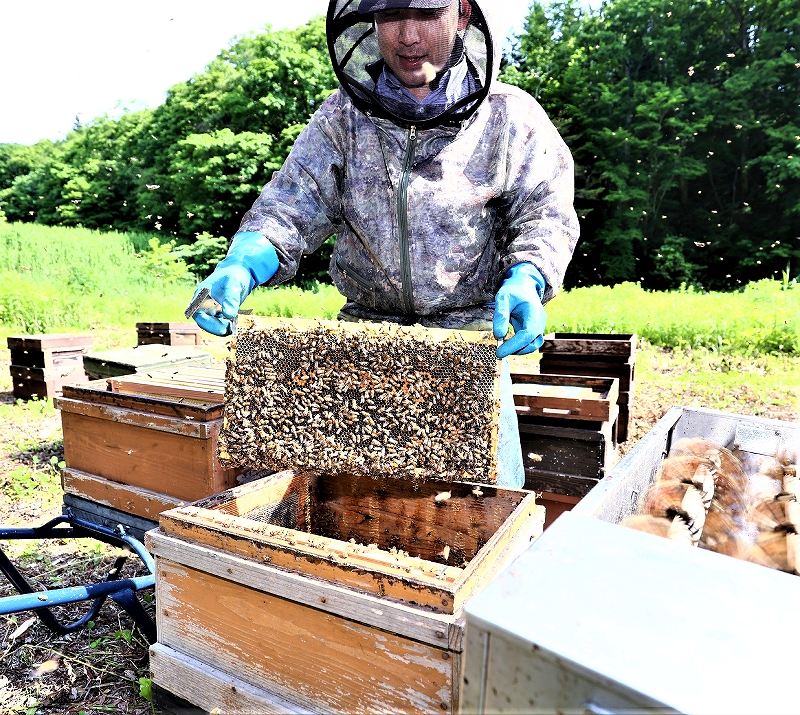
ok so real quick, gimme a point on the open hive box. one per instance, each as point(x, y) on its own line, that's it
point(672, 627)
point(313, 591)
point(328, 593)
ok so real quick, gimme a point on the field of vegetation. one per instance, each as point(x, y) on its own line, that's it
point(738, 352)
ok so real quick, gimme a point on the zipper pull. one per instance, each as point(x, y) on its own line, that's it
point(412, 134)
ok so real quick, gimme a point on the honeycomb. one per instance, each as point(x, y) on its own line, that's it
point(363, 399)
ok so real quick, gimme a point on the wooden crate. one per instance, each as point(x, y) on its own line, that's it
point(566, 397)
point(322, 594)
point(566, 425)
point(599, 355)
point(41, 364)
point(142, 358)
point(140, 453)
point(168, 334)
point(565, 457)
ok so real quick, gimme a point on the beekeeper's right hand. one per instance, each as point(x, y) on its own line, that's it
point(251, 261)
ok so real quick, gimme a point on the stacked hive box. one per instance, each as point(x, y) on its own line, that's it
point(42, 364)
point(529, 635)
point(566, 425)
point(597, 354)
point(307, 593)
point(168, 334)
point(148, 446)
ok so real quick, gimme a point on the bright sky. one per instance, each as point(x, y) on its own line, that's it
point(59, 60)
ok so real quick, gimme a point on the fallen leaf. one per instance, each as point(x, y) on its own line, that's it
point(22, 628)
point(47, 667)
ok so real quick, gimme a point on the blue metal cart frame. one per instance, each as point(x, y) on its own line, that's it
point(121, 591)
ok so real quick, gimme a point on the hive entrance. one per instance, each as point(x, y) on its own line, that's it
point(363, 399)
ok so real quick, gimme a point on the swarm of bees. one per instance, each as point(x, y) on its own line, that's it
point(705, 495)
point(362, 399)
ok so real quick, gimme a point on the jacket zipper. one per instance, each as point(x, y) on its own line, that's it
point(402, 223)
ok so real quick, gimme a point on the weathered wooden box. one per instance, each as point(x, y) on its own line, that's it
point(42, 364)
point(321, 594)
point(140, 454)
point(672, 628)
point(168, 334)
point(599, 355)
point(566, 425)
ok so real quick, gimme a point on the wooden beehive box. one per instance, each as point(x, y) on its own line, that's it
point(599, 355)
point(566, 425)
point(327, 594)
point(42, 364)
point(138, 451)
point(168, 334)
point(143, 359)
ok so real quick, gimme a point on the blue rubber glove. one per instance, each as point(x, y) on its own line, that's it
point(251, 261)
point(519, 301)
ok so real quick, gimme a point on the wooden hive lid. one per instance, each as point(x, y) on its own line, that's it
point(49, 341)
point(590, 344)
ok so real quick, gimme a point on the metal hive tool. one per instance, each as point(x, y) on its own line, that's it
point(362, 399)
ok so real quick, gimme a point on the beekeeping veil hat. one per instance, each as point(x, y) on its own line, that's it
point(462, 77)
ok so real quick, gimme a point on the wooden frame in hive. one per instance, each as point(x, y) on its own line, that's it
point(362, 398)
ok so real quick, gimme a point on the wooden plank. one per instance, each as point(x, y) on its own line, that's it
point(48, 359)
point(568, 402)
point(210, 688)
point(167, 328)
point(590, 343)
point(140, 359)
point(159, 423)
point(387, 512)
point(419, 625)
point(411, 581)
point(62, 373)
point(165, 389)
point(624, 371)
point(138, 455)
point(123, 497)
point(321, 661)
point(97, 392)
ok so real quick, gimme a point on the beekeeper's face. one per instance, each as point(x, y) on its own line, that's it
point(416, 44)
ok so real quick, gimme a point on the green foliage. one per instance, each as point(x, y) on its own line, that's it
point(51, 278)
point(760, 319)
point(203, 254)
point(146, 689)
point(682, 118)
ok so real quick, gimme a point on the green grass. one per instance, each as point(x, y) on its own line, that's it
point(66, 279)
point(764, 318)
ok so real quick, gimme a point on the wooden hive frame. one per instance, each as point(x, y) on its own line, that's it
point(360, 398)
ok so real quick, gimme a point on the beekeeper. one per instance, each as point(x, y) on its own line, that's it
point(450, 193)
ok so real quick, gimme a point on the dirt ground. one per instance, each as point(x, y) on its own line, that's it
point(104, 668)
